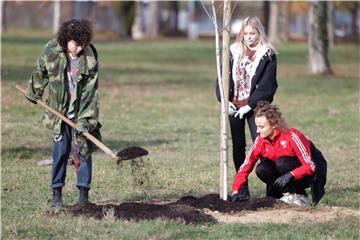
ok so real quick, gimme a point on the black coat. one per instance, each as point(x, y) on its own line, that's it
point(263, 83)
point(318, 182)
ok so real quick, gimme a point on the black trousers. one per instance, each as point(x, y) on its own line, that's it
point(237, 127)
point(268, 171)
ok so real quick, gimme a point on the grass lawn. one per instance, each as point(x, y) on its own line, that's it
point(160, 96)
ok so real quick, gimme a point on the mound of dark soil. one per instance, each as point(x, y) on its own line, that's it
point(187, 209)
point(134, 211)
point(214, 203)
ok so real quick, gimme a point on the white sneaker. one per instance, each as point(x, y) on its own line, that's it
point(294, 198)
point(287, 197)
point(301, 200)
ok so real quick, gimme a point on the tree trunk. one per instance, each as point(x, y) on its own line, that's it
point(354, 21)
point(193, 29)
point(318, 38)
point(137, 27)
point(152, 28)
point(266, 10)
point(273, 22)
point(3, 16)
point(280, 18)
point(56, 19)
point(224, 106)
point(285, 21)
point(330, 22)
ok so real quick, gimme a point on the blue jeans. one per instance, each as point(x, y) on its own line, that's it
point(61, 153)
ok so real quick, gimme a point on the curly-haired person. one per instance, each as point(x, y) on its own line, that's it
point(290, 162)
point(68, 68)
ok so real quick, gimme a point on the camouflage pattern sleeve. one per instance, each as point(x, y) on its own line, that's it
point(38, 80)
point(88, 102)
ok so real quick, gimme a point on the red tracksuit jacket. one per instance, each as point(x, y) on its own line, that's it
point(289, 142)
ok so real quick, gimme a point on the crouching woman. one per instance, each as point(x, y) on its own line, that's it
point(289, 162)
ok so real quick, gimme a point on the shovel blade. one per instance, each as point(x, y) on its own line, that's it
point(131, 153)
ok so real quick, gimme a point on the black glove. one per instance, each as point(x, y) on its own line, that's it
point(238, 197)
point(235, 197)
point(281, 182)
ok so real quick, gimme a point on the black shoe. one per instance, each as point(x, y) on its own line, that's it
point(84, 195)
point(57, 198)
point(273, 192)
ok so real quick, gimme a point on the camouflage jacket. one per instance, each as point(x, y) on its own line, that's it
point(50, 70)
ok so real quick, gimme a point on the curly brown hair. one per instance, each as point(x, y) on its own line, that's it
point(271, 113)
point(79, 30)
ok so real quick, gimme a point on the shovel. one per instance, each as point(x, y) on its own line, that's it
point(125, 154)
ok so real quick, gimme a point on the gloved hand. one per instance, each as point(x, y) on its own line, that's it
point(281, 182)
point(232, 109)
point(238, 197)
point(242, 111)
point(235, 197)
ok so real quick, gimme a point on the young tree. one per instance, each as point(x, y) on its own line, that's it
point(318, 43)
point(223, 81)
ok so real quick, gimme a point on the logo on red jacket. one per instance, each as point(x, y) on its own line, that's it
point(283, 143)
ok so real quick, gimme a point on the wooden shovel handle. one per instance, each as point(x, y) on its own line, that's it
point(71, 124)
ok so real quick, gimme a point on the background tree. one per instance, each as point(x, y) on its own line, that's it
point(353, 8)
point(279, 21)
point(153, 20)
point(318, 44)
point(170, 25)
point(56, 19)
point(125, 11)
point(330, 22)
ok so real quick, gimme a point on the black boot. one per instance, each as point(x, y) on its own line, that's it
point(84, 195)
point(273, 192)
point(57, 198)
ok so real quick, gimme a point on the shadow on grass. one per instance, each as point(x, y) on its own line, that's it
point(119, 144)
point(23, 152)
point(116, 145)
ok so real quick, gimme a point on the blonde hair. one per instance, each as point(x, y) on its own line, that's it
point(271, 113)
point(255, 23)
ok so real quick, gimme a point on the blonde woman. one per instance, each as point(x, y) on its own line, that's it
point(252, 79)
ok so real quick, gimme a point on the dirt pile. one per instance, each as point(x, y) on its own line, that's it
point(188, 209)
point(210, 208)
point(134, 211)
point(214, 203)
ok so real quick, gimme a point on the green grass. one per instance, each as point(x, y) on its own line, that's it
point(160, 96)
